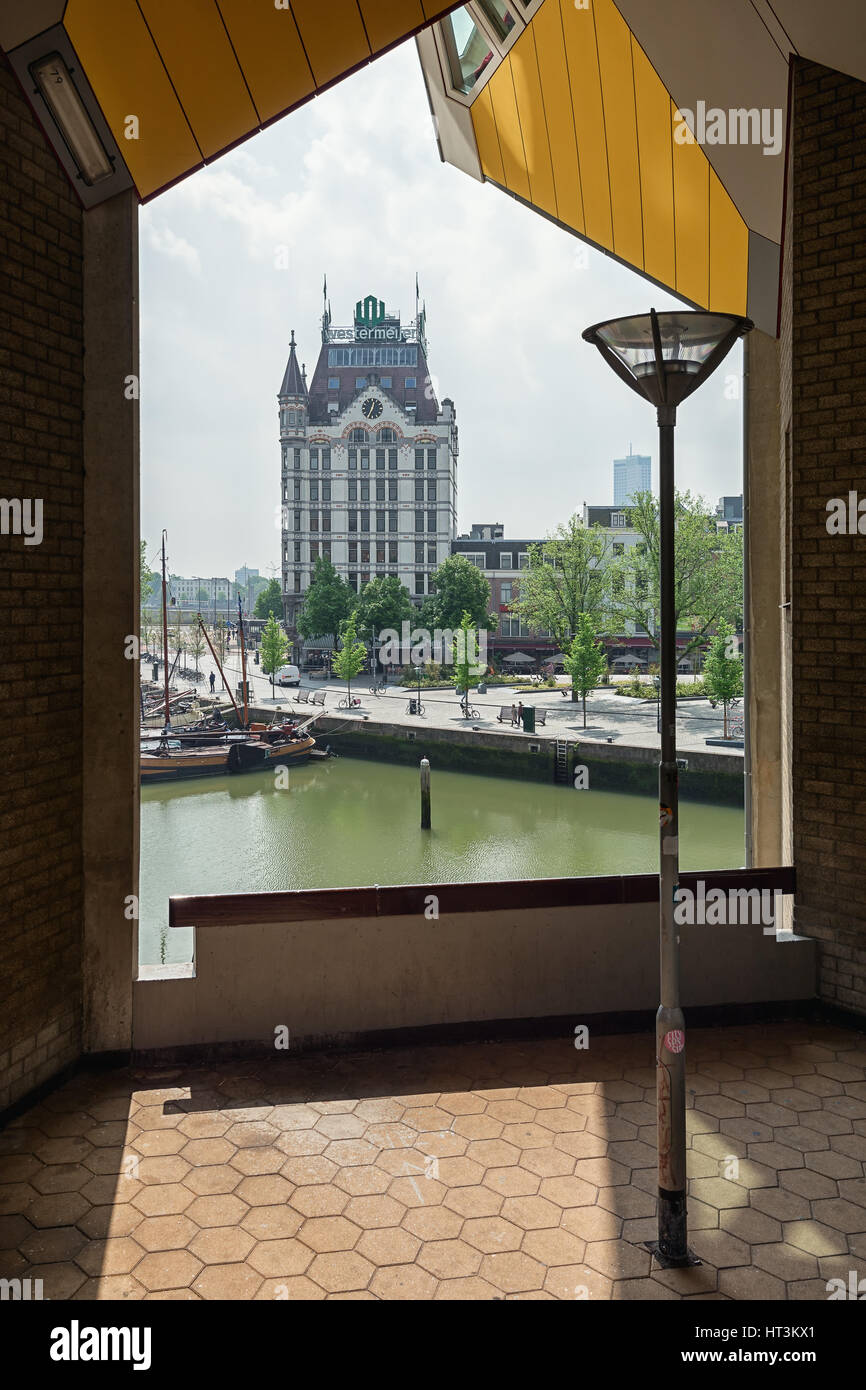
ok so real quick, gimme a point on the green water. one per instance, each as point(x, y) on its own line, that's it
point(347, 822)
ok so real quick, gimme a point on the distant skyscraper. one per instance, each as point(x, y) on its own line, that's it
point(631, 475)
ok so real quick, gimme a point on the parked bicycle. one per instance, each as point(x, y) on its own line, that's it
point(415, 707)
point(346, 703)
point(379, 688)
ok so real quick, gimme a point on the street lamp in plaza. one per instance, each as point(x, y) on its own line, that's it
point(665, 358)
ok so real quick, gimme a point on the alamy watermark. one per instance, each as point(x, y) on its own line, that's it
point(22, 516)
point(417, 646)
point(738, 907)
point(737, 126)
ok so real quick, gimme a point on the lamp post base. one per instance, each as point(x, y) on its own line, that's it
point(671, 1250)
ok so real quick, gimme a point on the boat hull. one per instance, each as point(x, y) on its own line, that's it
point(215, 762)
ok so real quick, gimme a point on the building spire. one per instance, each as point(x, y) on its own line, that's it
point(293, 380)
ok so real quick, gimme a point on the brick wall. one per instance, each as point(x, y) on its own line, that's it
point(826, 378)
point(41, 383)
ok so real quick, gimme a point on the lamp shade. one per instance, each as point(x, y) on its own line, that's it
point(665, 357)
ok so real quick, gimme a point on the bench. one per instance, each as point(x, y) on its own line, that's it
point(317, 697)
point(540, 718)
point(302, 697)
point(506, 714)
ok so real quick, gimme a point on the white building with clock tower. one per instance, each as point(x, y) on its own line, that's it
point(369, 457)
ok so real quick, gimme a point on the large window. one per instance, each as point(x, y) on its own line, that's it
point(372, 357)
point(468, 49)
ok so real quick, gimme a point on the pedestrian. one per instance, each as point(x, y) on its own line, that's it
point(520, 714)
point(212, 682)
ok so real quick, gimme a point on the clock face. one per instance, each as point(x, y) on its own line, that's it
point(372, 408)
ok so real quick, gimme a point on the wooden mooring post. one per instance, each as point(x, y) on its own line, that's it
point(425, 793)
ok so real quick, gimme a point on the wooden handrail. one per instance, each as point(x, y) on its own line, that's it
point(524, 894)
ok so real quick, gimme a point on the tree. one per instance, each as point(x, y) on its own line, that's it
point(349, 660)
point(197, 645)
point(708, 581)
point(147, 580)
point(567, 576)
point(460, 588)
point(723, 669)
point(269, 603)
point(466, 666)
point(220, 639)
point(274, 648)
point(327, 603)
point(202, 596)
point(585, 660)
point(383, 603)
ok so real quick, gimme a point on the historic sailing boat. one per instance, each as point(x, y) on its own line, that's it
point(177, 754)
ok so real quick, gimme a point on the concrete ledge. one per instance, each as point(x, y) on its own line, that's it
point(328, 979)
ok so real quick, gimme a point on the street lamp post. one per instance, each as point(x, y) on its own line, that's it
point(665, 358)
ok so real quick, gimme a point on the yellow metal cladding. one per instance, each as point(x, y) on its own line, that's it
point(125, 71)
point(270, 54)
point(194, 46)
point(576, 121)
point(200, 75)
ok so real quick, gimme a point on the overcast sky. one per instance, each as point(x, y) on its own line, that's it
point(352, 185)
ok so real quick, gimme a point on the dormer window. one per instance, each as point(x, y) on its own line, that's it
point(618, 519)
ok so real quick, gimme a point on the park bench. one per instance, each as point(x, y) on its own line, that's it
point(540, 718)
point(302, 697)
point(505, 715)
point(317, 697)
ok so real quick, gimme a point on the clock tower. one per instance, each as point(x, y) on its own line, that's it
point(369, 457)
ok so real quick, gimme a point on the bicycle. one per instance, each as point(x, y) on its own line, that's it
point(346, 703)
point(379, 688)
point(415, 707)
point(736, 728)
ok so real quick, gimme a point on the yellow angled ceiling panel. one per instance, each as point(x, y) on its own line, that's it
point(486, 138)
point(582, 54)
point(127, 75)
point(729, 252)
point(508, 128)
point(195, 49)
point(530, 106)
point(388, 21)
point(547, 28)
point(692, 211)
point(270, 53)
point(654, 136)
point(333, 36)
point(617, 84)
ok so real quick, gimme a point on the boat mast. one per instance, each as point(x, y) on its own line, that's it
point(243, 660)
point(219, 668)
point(165, 640)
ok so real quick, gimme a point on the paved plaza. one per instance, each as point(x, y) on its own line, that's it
point(609, 716)
point(512, 1170)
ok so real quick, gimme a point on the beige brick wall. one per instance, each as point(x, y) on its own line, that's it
point(41, 382)
point(825, 381)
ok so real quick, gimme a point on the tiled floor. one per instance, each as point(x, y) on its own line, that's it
point(513, 1170)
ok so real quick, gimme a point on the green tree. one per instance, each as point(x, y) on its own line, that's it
point(327, 602)
point(708, 581)
point(349, 660)
point(585, 660)
point(567, 575)
point(274, 648)
point(147, 580)
point(220, 639)
point(383, 603)
point(460, 588)
point(723, 669)
point(269, 603)
point(197, 645)
point(466, 665)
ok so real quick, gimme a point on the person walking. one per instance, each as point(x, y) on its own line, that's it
point(212, 682)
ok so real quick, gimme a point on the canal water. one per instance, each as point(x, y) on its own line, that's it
point(347, 822)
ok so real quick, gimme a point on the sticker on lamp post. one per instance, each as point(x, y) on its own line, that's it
point(675, 1040)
